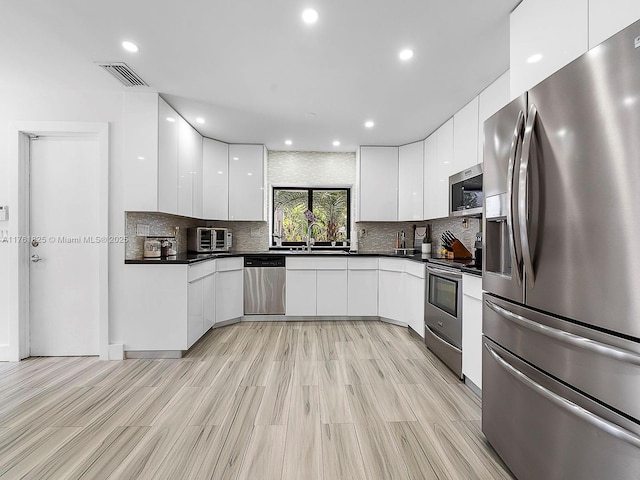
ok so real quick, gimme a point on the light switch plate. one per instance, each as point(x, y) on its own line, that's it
point(4, 213)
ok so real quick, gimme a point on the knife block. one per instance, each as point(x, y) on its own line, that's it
point(459, 250)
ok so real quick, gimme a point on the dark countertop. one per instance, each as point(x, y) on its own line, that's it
point(466, 266)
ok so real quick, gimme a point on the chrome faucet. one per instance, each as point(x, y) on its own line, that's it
point(309, 229)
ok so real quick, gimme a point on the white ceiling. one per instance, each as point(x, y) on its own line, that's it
point(254, 70)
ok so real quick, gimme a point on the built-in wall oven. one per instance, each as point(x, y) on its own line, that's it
point(443, 315)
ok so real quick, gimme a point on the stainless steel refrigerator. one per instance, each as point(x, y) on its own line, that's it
point(561, 268)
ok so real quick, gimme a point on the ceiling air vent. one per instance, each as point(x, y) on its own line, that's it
point(124, 74)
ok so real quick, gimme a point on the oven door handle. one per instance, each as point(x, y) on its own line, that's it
point(445, 273)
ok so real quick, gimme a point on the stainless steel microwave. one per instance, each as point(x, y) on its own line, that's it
point(465, 192)
point(207, 239)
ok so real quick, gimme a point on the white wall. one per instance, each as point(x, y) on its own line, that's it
point(74, 106)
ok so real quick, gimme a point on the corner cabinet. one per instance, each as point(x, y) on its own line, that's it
point(229, 285)
point(472, 328)
point(215, 180)
point(438, 166)
point(378, 182)
point(465, 137)
point(410, 185)
point(247, 193)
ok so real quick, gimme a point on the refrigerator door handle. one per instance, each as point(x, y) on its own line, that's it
point(567, 337)
point(513, 249)
point(567, 405)
point(523, 199)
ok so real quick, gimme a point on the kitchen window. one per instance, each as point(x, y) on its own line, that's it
point(331, 207)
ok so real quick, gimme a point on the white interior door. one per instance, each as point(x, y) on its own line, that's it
point(64, 250)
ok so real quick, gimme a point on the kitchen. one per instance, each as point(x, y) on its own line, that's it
point(134, 184)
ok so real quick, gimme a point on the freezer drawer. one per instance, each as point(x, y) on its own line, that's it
point(545, 430)
point(445, 351)
point(602, 365)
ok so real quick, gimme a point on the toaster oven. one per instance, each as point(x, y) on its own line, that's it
point(207, 239)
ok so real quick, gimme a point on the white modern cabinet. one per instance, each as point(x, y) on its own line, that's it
point(167, 158)
point(443, 170)
point(229, 285)
point(362, 287)
point(215, 179)
point(608, 17)
point(300, 291)
point(430, 178)
point(490, 101)
point(472, 328)
point(246, 182)
point(410, 181)
point(209, 301)
point(378, 184)
point(391, 289)
point(189, 170)
point(555, 32)
point(465, 137)
point(414, 294)
point(331, 287)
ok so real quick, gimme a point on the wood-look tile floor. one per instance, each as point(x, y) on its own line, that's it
point(303, 401)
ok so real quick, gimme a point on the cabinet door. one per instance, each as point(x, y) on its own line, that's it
point(430, 176)
point(196, 175)
point(556, 32)
point(608, 17)
point(472, 337)
point(490, 100)
point(167, 159)
point(414, 295)
point(465, 137)
point(410, 181)
point(301, 292)
point(229, 295)
point(246, 182)
point(186, 164)
point(331, 292)
point(444, 169)
point(215, 180)
point(391, 295)
point(379, 184)
point(363, 293)
point(209, 301)
point(195, 320)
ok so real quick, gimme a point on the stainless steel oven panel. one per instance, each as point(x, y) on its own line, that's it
point(602, 365)
point(443, 322)
point(444, 350)
point(543, 429)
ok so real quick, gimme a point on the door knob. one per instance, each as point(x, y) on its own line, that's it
point(35, 258)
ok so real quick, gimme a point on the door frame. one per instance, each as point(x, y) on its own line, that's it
point(19, 195)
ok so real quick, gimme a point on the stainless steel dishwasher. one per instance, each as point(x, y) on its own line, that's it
point(264, 284)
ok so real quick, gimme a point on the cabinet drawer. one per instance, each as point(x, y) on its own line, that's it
point(414, 268)
point(392, 264)
point(370, 263)
point(201, 269)
point(331, 264)
point(472, 286)
point(227, 264)
point(297, 263)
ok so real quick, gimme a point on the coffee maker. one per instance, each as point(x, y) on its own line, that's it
point(478, 250)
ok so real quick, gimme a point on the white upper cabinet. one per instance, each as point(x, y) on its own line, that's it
point(167, 158)
point(378, 184)
point(491, 100)
point(444, 169)
point(410, 185)
point(246, 182)
point(608, 17)
point(465, 137)
point(430, 178)
point(196, 175)
point(215, 180)
point(189, 161)
point(551, 32)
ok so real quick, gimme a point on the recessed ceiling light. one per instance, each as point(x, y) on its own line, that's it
point(220, 172)
point(336, 143)
point(369, 124)
point(170, 119)
point(406, 54)
point(200, 120)
point(249, 173)
point(534, 58)
point(140, 158)
point(628, 101)
point(236, 158)
point(130, 46)
point(310, 16)
point(288, 142)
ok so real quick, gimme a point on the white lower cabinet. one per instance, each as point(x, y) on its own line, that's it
point(200, 299)
point(414, 290)
point(229, 285)
point(362, 287)
point(301, 292)
point(331, 292)
point(391, 289)
point(316, 286)
point(209, 301)
point(472, 328)
point(195, 315)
